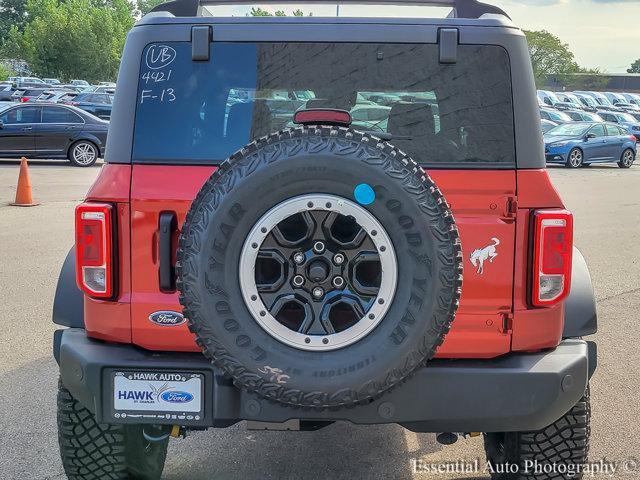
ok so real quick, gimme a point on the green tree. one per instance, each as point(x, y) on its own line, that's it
point(145, 6)
point(635, 67)
point(585, 79)
point(12, 44)
point(74, 39)
point(549, 56)
point(5, 72)
point(260, 12)
point(13, 13)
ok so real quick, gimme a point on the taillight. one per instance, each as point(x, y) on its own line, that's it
point(552, 256)
point(94, 247)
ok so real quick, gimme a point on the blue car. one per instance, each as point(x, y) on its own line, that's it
point(626, 120)
point(583, 143)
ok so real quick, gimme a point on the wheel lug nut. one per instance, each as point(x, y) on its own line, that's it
point(317, 292)
point(338, 259)
point(298, 280)
point(338, 282)
point(299, 258)
point(318, 247)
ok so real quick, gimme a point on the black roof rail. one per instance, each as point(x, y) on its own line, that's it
point(461, 8)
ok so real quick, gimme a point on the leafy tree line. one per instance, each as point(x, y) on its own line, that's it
point(259, 12)
point(73, 38)
point(551, 58)
point(67, 39)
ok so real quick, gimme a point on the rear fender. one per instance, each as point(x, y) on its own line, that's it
point(68, 303)
point(580, 316)
point(90, 137)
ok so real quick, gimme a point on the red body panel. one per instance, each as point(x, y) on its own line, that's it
point(539, 328)
point(479, 202)
point(111, 320)
point(156, 189)
point(535, 190)
point(493, 306)
point(112, 185)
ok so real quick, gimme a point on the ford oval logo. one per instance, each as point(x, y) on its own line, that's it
point(167, 318)
point(177, 397)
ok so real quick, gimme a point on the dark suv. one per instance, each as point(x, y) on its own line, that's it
point(244, 259)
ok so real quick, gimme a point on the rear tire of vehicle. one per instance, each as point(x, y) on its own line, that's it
point(83, 154)
point(574, 160)
point(93, 451)
point(564, 442)
point(627, 158)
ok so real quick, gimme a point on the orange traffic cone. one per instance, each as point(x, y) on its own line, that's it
point(24, 197)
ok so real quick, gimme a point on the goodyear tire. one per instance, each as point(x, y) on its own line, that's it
point(382, 308)
point(560, 448)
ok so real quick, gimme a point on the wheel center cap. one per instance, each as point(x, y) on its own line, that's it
point(318, 271)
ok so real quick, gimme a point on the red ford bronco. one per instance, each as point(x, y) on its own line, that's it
point(303, 220)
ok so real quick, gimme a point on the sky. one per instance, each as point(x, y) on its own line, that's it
point(601, 33)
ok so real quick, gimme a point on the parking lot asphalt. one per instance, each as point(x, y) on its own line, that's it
point(34, 241)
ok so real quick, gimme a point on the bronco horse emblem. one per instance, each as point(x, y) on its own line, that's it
point(480, 255)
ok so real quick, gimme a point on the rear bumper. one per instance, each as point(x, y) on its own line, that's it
point(512, 393)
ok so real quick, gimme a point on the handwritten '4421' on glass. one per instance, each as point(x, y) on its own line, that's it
point(156, 76)
point(164, 95)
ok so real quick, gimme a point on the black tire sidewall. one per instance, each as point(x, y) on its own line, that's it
point(412, 328)
point(621, 162)
point(144, 460)
point(108, 451)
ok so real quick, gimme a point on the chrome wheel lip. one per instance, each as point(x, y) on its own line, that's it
point(371, 318)
point(84, 153)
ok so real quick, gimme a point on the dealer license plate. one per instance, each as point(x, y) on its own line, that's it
point(170, 395)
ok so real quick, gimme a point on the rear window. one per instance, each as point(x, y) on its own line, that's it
point(60, 115)
point(21, 115)
point(201, 112)
point(613, 131)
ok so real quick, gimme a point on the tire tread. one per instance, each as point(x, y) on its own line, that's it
point(565, 441)
point(371, 151)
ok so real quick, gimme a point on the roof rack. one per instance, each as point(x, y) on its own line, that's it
point(461, 8)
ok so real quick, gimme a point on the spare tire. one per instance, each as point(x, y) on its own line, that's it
point(319, 267)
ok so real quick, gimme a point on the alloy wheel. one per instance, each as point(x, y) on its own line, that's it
point(318, 272)
point(575, 158)
point(84, 153)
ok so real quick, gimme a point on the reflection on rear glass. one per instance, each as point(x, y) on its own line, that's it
point(203, 111)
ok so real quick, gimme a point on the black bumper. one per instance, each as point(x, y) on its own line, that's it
point(512, 393)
